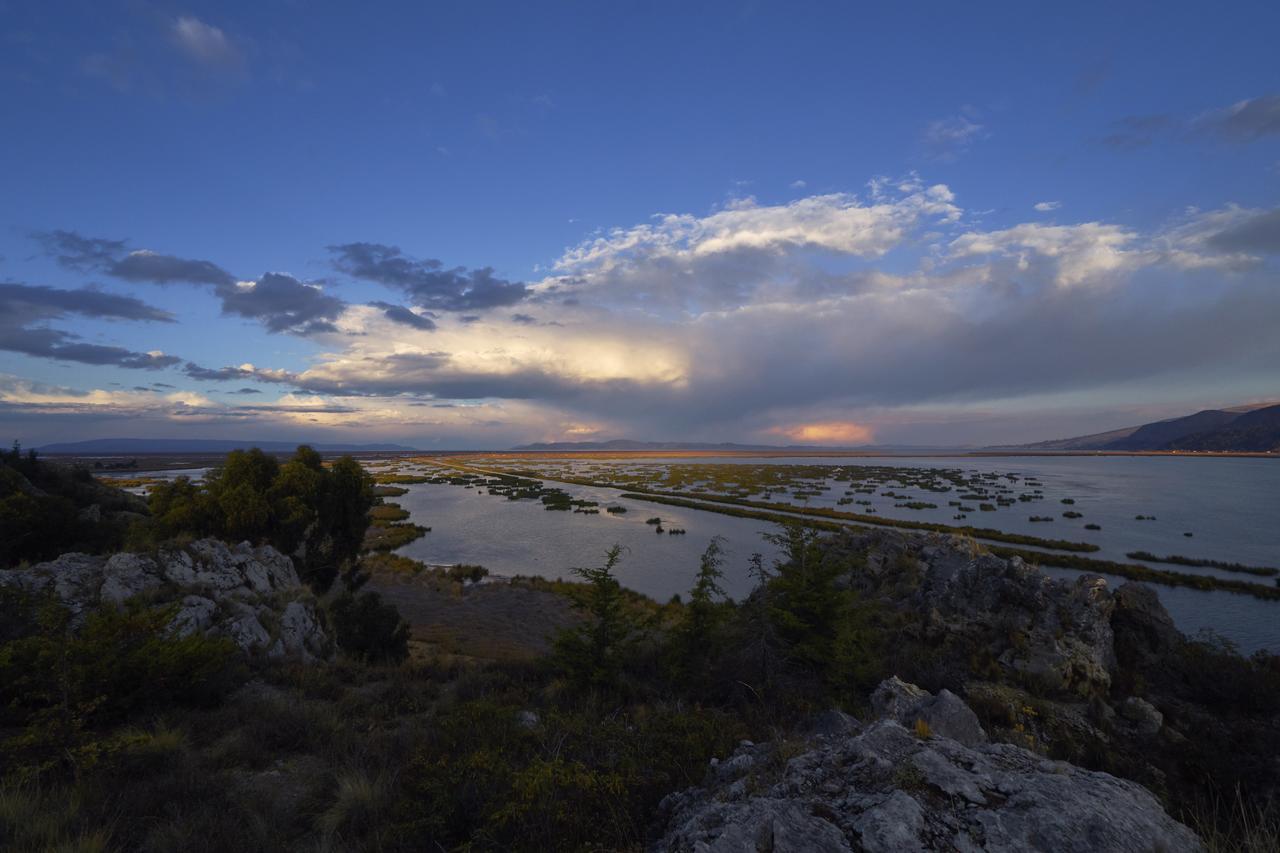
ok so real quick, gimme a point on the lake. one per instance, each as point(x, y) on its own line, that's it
point(1230, 505)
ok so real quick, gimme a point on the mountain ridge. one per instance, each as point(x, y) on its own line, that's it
point(1253, 428)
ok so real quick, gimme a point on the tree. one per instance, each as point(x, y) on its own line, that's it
point(700, 634)
point(806, 601)
point(368, 628)
point(593, 653)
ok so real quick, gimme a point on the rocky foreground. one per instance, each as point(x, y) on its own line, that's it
point(252, 596)
point(1072, 669)
point(921, 777)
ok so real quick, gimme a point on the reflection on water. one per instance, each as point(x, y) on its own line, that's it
point(1229, 504)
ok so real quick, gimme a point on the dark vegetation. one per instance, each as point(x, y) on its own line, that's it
point(1179, 560)
point(119, 735)
point(47, 510)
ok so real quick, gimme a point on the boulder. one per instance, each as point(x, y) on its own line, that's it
point(886, 789)
point(252, 595)
point(1143, 715)
point(945, 714)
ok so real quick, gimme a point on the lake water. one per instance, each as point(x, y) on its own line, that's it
point(1232, 507)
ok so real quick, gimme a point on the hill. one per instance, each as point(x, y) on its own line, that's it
point(1257, 431)
point(1240, 429)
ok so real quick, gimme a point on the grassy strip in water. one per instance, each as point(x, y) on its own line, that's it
point(1179, 560)
point(824, 512)
point(880, 521)
point(1132, 571)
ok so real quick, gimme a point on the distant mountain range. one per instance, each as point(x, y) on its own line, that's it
point(1242, 429)
point(622, 444)
point(186, 445)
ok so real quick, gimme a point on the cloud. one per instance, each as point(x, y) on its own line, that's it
point(798, 185)
point(748, 252)
point(146, 266)
point(1245, 121)
point(77, 252)
point(26, 309)
point(400, 314)
point(282, 304)
point(205, 44)
point(246, 391)
point(1138, 131)
point(824, 320)
point(829, 432)
point(42, 302)
point(87, 254)
point(1241, 122)
point(1091, 253)
point(1047, 206)
point(426, 282)
point(219, 374)
point(1257, 231)
point(947, 138)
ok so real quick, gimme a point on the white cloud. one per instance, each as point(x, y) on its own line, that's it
point(1047, 206)
point(205, 43)
point(798, 184)
point(838, 222)
point(1088, 253)
point(947, 138)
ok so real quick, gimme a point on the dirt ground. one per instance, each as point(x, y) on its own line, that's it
point(487, 621)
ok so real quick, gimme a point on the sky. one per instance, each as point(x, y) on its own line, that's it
point(473, 225)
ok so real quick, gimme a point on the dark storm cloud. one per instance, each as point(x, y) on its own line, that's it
point(282, 304)
point(426, 282)
point(1247, 120)
point(1259, 233)
point(25, 309)
point(400, 314)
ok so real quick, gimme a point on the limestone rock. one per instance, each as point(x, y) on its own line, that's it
point(195, 616)
point(887, 790)
point(1146, 719)
point(252, 595)
point(945, 714)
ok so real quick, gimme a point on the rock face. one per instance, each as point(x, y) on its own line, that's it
point(251, 595)
point(1053, 632)
point(887, 789)
point(944, 715)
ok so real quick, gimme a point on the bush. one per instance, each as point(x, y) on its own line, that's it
point(369, 629)
point(60, 686)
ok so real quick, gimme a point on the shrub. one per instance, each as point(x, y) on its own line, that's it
point(369, 629)
point(592, 654)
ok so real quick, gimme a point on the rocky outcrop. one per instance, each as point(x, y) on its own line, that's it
point(251, 595)
point(945, 714)
point(886, 788)
point(1053, 633)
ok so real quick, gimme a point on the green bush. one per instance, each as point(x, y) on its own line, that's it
point(369, 629)
point(61, 686)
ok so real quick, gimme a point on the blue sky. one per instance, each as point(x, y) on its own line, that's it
point(921, 224)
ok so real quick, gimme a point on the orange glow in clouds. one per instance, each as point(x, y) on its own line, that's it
point(830, 432)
